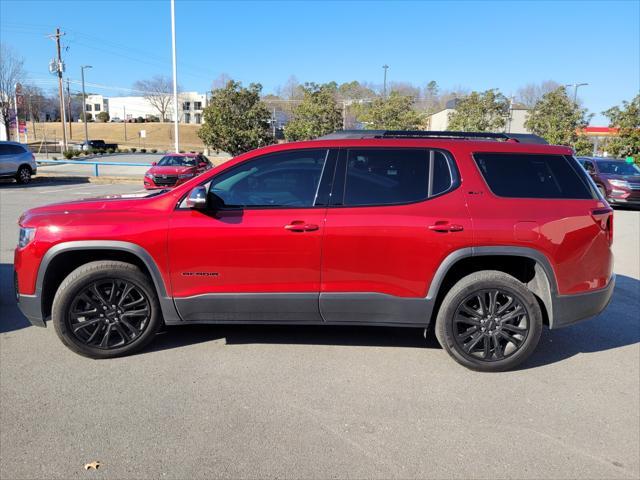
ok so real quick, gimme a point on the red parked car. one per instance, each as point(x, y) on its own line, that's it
point(174, 169)
point(482, 236)
point(617, 179)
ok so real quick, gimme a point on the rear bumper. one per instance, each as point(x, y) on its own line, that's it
point(570, 309)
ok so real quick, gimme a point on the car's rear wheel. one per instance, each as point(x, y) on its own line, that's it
point(106, 309)
point(489, 321)
point(23, 175)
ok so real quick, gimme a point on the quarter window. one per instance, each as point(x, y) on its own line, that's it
point(395, 176)
point(534, 176)
point(286, 179)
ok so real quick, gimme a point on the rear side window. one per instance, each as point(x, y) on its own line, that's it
point(8, 149)
point(533, 176)
point(395, 176)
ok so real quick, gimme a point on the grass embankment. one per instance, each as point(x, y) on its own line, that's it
point(159, 135)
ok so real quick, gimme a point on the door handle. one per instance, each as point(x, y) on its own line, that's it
point(301, 226)
point(446, 227)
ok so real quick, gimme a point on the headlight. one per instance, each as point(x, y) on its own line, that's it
point(185, 175)
point(149, 175)
point(26, 235)
point(620, 183)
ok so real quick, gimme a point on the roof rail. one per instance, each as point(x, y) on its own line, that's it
point(361, 134)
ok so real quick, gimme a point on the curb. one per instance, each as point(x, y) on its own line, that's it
point(44, 178)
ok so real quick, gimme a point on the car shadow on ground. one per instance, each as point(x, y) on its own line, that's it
point(44, 181)
point(618, 326)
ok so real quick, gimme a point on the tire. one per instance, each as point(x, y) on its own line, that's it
point(23, 175)
point(82, 314)
point(499, 344)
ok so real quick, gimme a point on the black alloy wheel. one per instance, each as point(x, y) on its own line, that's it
point(491, 325)
point(109, 314)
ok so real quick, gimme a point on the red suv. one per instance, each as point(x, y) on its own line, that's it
point(174, 169)
point(482, 236)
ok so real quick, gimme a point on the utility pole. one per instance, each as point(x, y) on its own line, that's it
point(124, 116)
point(175, 77)
point(273, 122)
point(69, 112)
point(59, 67)
point(384, 89)
point(84, 107)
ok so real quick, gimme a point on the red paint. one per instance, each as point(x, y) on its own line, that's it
point(390, 249)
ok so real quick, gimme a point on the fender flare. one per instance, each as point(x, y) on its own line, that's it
point(167, 306)
point(544, 284)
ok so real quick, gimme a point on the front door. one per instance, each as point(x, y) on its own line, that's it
point(254, 255)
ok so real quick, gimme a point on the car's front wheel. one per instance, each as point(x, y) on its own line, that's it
point(489, 321)
point(23, 175)
point(106, 309)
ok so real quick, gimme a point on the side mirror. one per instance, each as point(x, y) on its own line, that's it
point(197, 198)
point(153, 164)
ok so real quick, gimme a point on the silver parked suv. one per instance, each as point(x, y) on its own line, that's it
point(17, 161)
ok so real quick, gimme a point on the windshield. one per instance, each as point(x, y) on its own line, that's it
point(177, 161)
point(618, 168)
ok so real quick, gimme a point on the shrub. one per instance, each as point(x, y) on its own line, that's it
point(154, 150)
point(85, 152)
point(133, 149)
point(102, 117)
point(54, 158)
point(110, 150)
point(68, 154)
point(143, 150)
point(181, 151)
point(140, 120)
point(77, 153)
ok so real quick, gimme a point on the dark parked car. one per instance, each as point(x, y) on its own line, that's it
point(17, 161)
point(617, 179)
point(98, 145)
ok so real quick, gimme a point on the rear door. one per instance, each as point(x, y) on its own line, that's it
point(9, 158)
point(396, 213)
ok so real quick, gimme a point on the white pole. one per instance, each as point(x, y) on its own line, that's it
point(176, 132)
point(15, 104)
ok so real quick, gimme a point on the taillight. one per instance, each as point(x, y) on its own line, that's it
point(604, 218)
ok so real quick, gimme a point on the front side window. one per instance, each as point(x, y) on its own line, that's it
point(284, 179)
point(395, 176)
point(519, 175)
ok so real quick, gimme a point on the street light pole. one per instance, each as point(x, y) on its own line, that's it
point(384, 88)
point(84, 106)
point(176, 132)
point(575, 90)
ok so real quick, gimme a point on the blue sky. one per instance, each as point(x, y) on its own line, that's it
point(473, 44)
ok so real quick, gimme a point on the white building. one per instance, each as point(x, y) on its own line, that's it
point(190, 106)
point(439, 121)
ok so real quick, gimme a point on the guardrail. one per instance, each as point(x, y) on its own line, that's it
point(96, 170)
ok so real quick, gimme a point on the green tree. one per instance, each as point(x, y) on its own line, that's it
point(627, 119)
point(557, 119)
point(102, 117)
point(317, 114)
point(236, 120)
point(480, 112)
point(392, 113)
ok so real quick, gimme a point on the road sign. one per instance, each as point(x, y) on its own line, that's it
point(143, 134)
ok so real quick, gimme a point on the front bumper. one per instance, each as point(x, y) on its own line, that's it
point(570, 309)
point(30, 306)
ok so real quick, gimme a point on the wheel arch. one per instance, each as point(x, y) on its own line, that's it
point(528, 265)
point(63, 258)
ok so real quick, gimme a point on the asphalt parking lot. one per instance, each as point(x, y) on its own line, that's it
point(317, 402)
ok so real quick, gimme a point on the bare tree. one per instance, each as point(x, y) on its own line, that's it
point(221, 81)
point(532, 92)
point(158, 91)
point(11, 72)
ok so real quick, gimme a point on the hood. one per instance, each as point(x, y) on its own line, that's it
point(68, 212)
point(158, 170)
